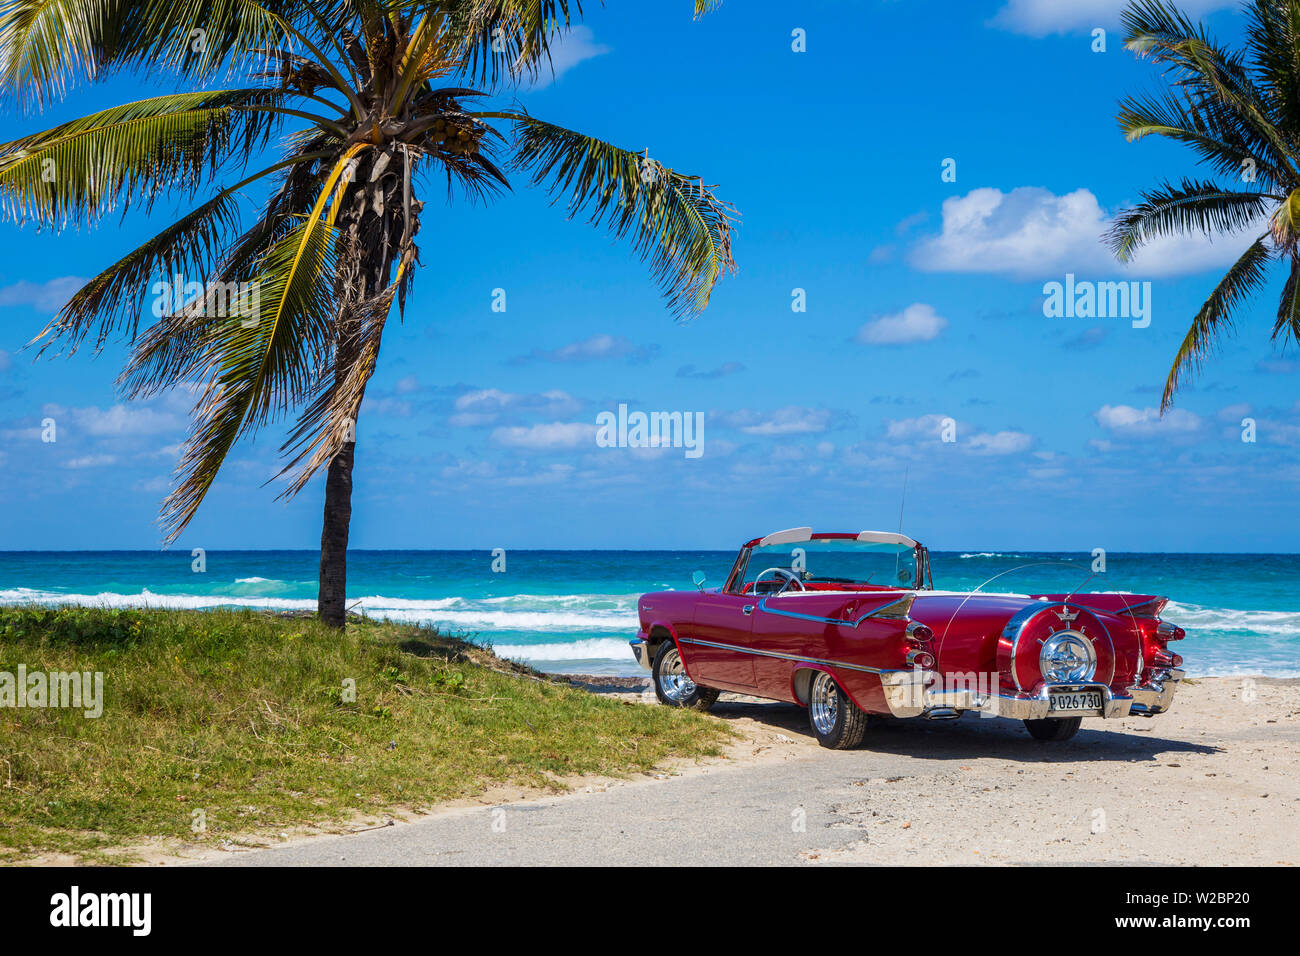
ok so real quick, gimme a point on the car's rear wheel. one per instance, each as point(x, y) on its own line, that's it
point(1053, 728)
point(672, 685)
point(836, 721)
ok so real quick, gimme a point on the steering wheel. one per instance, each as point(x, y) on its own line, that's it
point(789, 577)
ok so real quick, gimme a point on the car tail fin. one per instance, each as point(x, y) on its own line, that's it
point(1122, 605)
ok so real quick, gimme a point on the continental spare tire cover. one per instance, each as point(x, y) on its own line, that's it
point(1056, 643)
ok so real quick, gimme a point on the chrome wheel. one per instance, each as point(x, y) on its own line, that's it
point(824, 703)
point(674, 683)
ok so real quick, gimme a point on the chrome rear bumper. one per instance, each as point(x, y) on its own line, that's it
point(919, 693)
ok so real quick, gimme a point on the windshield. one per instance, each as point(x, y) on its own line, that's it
point(828, 563)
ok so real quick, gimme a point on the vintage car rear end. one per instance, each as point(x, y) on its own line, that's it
point(1039, 658)
point(850, 625)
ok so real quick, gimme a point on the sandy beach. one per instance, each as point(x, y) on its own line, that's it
point(1214, 782)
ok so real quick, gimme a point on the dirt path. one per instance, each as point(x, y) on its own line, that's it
point(1216, 781)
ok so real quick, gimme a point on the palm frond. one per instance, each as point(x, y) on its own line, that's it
point(47, 45)
point(329, 421)
point(676, 223)
point(1273, 45)
point(171, 352)
point(1213, 136)
point(190, 247)
point(1287, 325)
point(1247, 275)
point(80, 170)
point(255, 370)
point(496, 39)
point(258, 370)
point(1192, 206)
point(1211, 78)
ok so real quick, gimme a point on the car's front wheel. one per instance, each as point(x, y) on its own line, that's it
point(836, 721)
point(1053, 728)
point(672, 685)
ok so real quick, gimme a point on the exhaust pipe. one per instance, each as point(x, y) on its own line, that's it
point(941, 713)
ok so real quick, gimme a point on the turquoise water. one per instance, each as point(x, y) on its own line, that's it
point(575, 610)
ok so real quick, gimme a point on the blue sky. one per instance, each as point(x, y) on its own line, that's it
point(924, 302)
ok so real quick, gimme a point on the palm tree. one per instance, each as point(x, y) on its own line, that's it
point(359, 103)
point(1239, 111)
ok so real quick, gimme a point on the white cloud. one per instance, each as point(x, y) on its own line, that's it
point(119, 420)
point(1125, 420)
point(46, 297)
point(1031, 232)
point(485, 406)
point(154, 486)
point(589, 350)
point(1041, 17)
point(791, 420)
point(930, 428)
point(917, 323)
point(540, 437)
point(1001, 443)
point(923, 426)
point(1049, 473)
point(394, 407)
point(91, 461)
point(567, 50)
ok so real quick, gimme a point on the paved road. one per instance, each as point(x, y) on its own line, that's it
point(967, 791)
point(723, 813)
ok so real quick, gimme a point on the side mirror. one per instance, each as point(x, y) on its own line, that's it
point(699, 579)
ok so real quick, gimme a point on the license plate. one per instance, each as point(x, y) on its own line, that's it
point(1074, 701)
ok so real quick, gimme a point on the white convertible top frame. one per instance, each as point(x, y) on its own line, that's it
point(886, 537)
point(793, 535)
point(788, 536)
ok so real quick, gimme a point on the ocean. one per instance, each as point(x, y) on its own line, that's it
point(574, 611)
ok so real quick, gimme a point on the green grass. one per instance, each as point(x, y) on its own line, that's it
point(245, 716)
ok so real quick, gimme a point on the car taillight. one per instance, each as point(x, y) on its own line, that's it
point(1167, 659)
point(919, 634)
point(1169, 632)
point(921, 659)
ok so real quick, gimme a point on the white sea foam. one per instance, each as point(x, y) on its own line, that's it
point(1193, 617)
point(454, 612)
point(507, 620)
point(1220, 641)
point(147, 598)
point(590, 649)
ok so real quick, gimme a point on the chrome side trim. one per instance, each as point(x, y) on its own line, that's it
point(785, 657)
point(899, 607)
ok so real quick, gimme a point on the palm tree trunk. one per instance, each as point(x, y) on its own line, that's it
point(331, 599)
point(370, 227)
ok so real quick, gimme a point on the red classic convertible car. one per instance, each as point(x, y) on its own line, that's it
point(850, 625)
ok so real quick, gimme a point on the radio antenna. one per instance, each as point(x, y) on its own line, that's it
point(898, 555)
point(903, 501)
